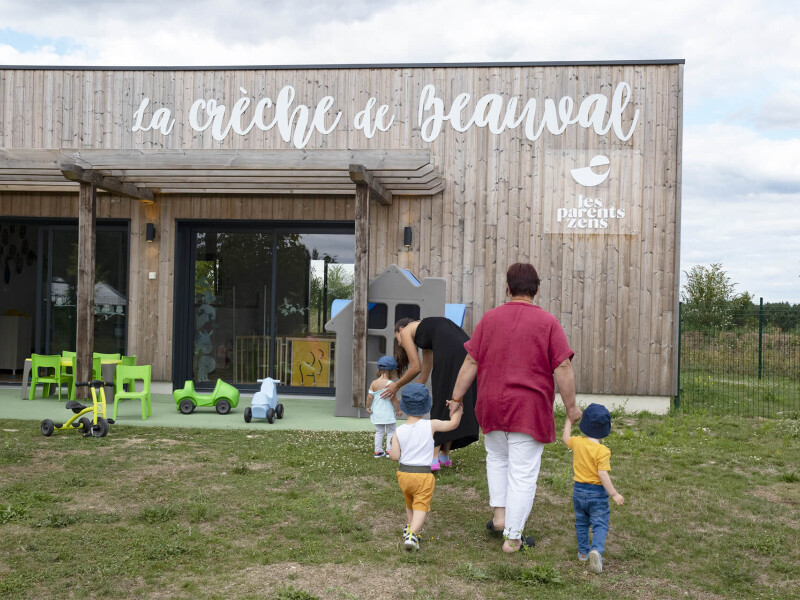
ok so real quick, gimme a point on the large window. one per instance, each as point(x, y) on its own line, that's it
point(60, 287)
point(260, 297)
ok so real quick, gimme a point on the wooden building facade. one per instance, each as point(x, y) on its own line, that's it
point(572, 167)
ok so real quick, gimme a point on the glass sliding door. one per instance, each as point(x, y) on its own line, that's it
point(232, 305)
point(313, 270)
point(261, 295)
point(60, 289)
point(62, 281)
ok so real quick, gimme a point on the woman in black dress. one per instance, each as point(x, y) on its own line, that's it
point(443, 353)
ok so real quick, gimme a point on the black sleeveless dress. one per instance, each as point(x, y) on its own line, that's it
point(446, 340)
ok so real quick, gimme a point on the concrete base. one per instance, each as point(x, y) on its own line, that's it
point(658, 405)
point(161, 387)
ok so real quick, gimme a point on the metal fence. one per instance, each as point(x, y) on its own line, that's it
point(740, 362)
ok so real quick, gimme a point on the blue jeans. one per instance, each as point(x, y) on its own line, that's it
point(591, 508)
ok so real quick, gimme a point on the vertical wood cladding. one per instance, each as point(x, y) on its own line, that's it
point(507, 198)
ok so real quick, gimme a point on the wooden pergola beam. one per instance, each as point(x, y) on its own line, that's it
point(281, 159)
point(144, 174)
point(110, 184)
point(361, 177)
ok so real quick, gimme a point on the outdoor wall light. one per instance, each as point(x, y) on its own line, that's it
point(151, 232)
point(407, 237)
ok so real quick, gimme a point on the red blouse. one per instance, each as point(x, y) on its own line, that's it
point(517, 347)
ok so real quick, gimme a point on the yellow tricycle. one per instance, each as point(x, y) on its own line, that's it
point(91, 420)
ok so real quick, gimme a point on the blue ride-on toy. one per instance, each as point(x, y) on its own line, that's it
point(265, 403)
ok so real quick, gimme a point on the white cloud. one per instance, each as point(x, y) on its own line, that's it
point(781, 109)
point(741, 208)
point(721, 158)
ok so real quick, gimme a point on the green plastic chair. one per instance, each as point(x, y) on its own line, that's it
point(125, 373)
point(108, 356)
point(96, 373)
point(68, 373)
point(128, 361)
point(45, 370)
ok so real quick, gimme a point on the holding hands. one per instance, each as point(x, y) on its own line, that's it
point(456, 406)
point(574, 414)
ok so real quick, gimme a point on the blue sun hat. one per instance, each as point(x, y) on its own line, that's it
point(387, 363)
point(595, 422)
point(415, 400)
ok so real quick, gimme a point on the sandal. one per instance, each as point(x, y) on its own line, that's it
point(490, 527)
point(527, 543)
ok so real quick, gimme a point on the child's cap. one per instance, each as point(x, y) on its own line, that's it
point(595, 422)
point(387, 363)
point(415, 400)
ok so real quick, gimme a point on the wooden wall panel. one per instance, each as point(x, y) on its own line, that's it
point(615, 294)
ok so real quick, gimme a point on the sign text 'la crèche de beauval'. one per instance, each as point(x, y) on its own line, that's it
point(296, 123)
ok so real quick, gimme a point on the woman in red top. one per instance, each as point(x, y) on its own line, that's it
point(515, 352)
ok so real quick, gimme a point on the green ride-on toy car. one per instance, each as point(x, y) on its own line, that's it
point(223, 398)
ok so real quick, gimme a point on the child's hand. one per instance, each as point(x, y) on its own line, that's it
point(398, 413)
point(459, 407)
point(369, 411)
point(618, 499)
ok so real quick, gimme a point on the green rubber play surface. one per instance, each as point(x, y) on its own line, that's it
point(300, 412)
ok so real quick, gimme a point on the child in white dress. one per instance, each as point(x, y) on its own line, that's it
point(383, 412)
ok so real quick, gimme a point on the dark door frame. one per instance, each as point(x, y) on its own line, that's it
point(183, 296)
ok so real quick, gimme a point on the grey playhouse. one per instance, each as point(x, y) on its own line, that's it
point(392, 295)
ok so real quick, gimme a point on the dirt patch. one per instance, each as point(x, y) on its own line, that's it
point(630, 586)
point(780, 493)
point(124, 442)
point(333, 582)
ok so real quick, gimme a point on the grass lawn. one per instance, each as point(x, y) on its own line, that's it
point(712, 511)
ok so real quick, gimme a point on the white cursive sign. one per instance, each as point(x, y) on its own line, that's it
point(488, 112)
point(296, 124)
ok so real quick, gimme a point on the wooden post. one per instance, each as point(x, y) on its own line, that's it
point(84, 336)
point(360, 289)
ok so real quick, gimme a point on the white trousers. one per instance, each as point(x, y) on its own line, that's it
point(380, 430)
point(512, 469)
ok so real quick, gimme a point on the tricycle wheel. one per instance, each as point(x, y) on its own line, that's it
point(223, 406)
point(101, 429)
point(279, 411)
point(186, 406)
point(248, 414)
point(47, 428)
point(85, 426)
point(270, 415)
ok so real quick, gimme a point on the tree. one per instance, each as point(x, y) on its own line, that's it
point(782, 315)
point(744, 312)
point(707, 297)
point(340, 284)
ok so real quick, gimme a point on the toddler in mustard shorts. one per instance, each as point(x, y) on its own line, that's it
point(412, 445)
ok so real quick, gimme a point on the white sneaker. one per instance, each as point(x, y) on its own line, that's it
point(410, 540)
point(595, 562)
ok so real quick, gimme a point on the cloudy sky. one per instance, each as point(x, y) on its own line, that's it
point(741, 149)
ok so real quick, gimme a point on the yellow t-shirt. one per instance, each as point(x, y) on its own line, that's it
point(588, 458)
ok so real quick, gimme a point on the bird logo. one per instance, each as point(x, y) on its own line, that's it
point(587, 177)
